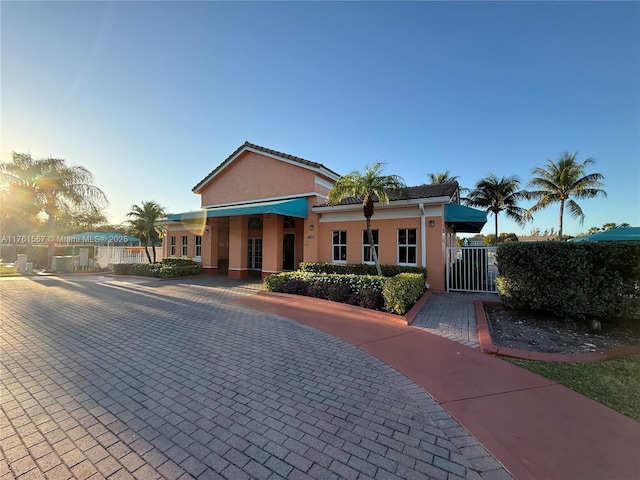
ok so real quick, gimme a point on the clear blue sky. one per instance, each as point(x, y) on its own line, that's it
point(151, 96)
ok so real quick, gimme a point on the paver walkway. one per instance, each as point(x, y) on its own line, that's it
point(534, 426)
point(106, 378)
point(452, 315)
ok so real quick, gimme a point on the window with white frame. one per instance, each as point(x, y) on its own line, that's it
point(367, 253)
point(339, 243)
point(172, 247)
point(184, 245)
point(198, 251)
point(407, 246)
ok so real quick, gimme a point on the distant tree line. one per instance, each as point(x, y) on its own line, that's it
point(48, 198)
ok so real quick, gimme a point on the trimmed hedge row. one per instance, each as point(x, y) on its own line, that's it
point(579, 280)
point(393, 294)
point(167, 268)
point(359, 269)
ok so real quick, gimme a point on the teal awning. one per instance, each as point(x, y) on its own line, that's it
point(295, 207)
point(465, 219)
point(622, 234)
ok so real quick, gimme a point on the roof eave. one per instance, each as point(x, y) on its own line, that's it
point(391, 204)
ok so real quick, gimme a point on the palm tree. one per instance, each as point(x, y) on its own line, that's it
point(20, 202)
point(370, 186)
point(444, 177)
point(52, 186)
point(441, 177)
point(144, 219)
point(64, 187)
point(561, 181)
point(496, 195)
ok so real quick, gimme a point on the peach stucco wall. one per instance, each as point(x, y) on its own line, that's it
point(252, 176)
point(387, 238)
point(388, 243)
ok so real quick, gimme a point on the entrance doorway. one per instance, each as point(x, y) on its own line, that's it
point(288, 251)
point(254, 254)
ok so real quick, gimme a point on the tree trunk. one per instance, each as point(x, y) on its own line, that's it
point(496, 220)
point(51, 234)
point(373, 247)
point(560, 220)
point(153, 245)
point(146, 250)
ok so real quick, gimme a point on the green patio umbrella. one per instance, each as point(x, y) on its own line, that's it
point(628, 234)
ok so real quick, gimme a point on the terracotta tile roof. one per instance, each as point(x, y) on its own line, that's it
point(253, 146)
point(421, 191)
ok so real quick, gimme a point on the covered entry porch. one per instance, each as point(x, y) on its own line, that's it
point(258, 238)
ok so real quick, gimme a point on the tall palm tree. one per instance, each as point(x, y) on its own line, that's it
point(52, 186)
point(144, 219)
point(370, 186)
point(496, 195)
point(562, 181)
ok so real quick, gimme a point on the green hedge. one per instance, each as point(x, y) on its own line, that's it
point(359, 269)
point(393, 294)
point(167, 268)
point(579, 280)
point(402, 292)
point(178, 262)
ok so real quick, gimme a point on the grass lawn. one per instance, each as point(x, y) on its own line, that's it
point(615, 383)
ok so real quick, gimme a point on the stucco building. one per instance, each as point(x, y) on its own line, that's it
point(264, 212)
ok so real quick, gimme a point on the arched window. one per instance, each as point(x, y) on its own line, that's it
point(255, 223)
point(289, 222)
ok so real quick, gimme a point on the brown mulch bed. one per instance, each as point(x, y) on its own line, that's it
point(544, 332)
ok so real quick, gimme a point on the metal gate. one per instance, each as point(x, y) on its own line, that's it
point(472, 269)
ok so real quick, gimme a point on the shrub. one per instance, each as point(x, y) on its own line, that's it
point(274, 283)
point(295, 286)
point(402, 292)
point(371, 298)
point(395, 294)
point(159, 270)
point(598, 279)
point(178, 262)
point(338, 291)
point(358, 269)
point(317, 289)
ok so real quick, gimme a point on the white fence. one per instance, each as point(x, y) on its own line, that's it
point(472, 269)
point(111, 255)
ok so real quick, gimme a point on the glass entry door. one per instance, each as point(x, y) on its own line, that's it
point(254, 254)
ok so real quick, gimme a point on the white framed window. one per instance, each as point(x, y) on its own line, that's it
point(339, 244)
point(367, 253)
point(184, 245)
point(172, 246)
point(407, 246)
point(198, 248)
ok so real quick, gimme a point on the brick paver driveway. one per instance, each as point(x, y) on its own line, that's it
point(111, 379)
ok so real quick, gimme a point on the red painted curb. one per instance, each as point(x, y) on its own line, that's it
point(413, 313)
point(487, 345)
point(338, 306)
point(407, 319)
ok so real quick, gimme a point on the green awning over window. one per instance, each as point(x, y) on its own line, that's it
point(465, 219)
point(295, 207)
